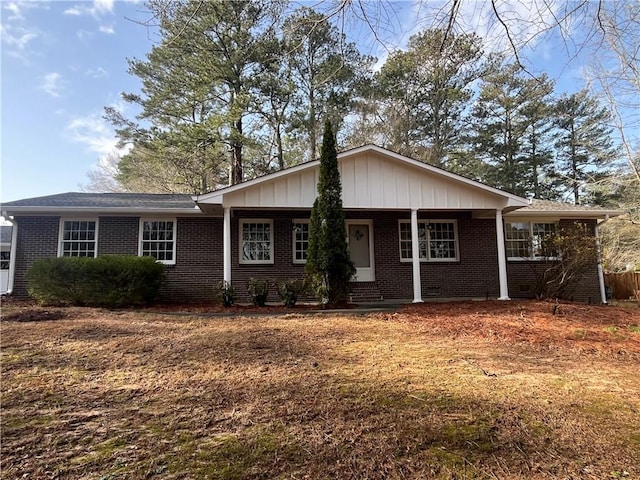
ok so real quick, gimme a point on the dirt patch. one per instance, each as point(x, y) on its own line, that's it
point(33, 315)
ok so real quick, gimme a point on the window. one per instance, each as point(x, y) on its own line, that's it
point(256, 241)
point(526, 240)
point(437, 240)
point(300, 240)
point(158, 240)
point(78, 238)
point(5, 256)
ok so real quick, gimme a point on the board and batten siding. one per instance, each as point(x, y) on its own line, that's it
point(369, 181)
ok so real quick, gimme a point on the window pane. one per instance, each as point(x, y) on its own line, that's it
point(540, 240)
point(256, 241)
point(517, 239)
point(79, 238)
point(406, 243)
point(157, 239)
point(301, 241)
point(442, 242)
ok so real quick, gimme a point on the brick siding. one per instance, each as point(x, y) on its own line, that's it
point(474, 275)
point(199, 258)
point(522, 275)
point(37, 239)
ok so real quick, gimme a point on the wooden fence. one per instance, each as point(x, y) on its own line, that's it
point(623, 285)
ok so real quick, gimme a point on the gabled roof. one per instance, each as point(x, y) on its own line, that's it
point(104, 203)
point(372, 177)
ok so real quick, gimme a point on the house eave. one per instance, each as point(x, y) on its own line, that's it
point(124, 211)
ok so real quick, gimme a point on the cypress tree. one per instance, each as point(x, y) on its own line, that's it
point(328, 267)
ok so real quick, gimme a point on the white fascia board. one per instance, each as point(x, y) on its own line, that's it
point(24, 210)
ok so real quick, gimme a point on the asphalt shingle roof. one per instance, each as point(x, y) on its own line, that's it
point(107, 200)
point(551, 206)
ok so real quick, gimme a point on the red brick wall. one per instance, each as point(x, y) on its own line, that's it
point(118, 235)
point(198, 258)
point(522, 275)
point(283, 267)
point(37, 239)
point(199, 261)
point(474, 275)
point(198, 267)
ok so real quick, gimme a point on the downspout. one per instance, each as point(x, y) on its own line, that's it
point(603, 292)
point(12, 254)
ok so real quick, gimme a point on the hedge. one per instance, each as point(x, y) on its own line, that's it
point(104, 281)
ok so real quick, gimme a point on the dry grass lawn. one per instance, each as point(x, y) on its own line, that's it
point(466, 391)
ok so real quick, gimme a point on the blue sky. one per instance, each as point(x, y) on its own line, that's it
point(63, 62)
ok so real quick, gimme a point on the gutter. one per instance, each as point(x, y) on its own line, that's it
point(603, 293)
point(12, 254)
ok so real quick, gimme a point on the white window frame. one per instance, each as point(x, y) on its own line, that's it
point(294, 223)
point(174, 240)
point(5, 259)
point(61, 239)
point(242, 223)
point(425, 223)
point(530, 247)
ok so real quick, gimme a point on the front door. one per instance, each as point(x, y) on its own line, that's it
point(360, 238)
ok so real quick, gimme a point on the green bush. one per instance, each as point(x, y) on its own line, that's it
point(290, 290)
point(105, 281)
point(258, 289)
point(225, 293)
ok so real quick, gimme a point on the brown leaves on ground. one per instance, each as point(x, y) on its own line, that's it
point(458, 390)
point(601, 330)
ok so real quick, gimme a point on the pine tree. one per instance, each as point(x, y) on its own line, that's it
point(585, 146)
point(199, 85)
point(328, 267)
point(511, 131)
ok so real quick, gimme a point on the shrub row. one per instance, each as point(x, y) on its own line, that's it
point(104, 281)
point(258, 288)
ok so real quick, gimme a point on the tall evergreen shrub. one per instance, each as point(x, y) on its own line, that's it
point(328, 267)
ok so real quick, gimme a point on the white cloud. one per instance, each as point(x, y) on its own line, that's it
point(96, 72)
point(14, 8)
point(108, 29)
point(17, 8)
point(16, 37)
point(52, 84)
point(75, 11)
point(103, 6)
point(92, 131)
point(95, 133)
point(97, 9)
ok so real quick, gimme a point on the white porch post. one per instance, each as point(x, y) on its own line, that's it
point(415, 255)
point(502, 258)
point(603, 291)
point(226, 245)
